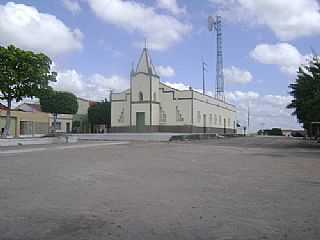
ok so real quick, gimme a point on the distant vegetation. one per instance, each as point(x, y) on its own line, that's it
point(58, 103)
point(271, 132)
point(100, 114)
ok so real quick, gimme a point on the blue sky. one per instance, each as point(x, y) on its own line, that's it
point(94, 42)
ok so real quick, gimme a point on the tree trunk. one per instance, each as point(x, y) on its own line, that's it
point(55, 116)
point(8, 119)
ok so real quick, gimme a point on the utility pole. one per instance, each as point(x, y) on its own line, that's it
point(110, 100)
point(110, 95)
point(248, 117)
point(204, 69)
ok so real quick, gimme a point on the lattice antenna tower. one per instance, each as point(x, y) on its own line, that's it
point(215, 24)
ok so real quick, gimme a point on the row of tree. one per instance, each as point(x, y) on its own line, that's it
point(306, 96)
point(100, 114)
point(25, 74)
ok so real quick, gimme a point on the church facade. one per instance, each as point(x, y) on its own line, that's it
point(151, 106)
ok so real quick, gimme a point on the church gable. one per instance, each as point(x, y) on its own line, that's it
point(145, 64)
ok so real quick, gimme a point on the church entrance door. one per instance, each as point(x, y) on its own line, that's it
point(140, 118)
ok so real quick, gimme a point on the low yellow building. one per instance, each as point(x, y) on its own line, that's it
point(28, 120)
point(26, 123)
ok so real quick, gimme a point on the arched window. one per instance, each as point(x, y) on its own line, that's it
point(140, 96)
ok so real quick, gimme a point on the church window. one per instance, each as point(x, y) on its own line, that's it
point(179, 117)
point(163, 115)
point(140, 96)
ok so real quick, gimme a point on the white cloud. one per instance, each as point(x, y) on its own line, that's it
point(93, 87)
point(237, 75)
point(266, 111)
point(161, 31)
point(179, 86)
point(27, 28)
point(286, 56)
point(172, 6)
point(286, 18)
point(72, 5)
point(167, 71)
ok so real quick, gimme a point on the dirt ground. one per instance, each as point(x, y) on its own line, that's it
point(234, 188)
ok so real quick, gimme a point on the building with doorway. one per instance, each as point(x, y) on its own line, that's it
point(25, 124)
point(64, 121)
point(152, 106)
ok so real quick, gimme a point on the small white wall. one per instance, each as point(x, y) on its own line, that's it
point(155, 114)
point(64, 119)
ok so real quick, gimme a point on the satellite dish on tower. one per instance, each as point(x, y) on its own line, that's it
point(211, 23)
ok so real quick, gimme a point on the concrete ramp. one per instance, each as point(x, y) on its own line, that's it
point(152, 137)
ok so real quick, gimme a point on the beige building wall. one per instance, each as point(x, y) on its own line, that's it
point(37, 122)
point(13, 125)
point(83, 106)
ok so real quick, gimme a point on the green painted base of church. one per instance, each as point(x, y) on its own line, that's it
point(173, 129)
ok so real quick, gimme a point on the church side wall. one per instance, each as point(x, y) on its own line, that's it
point(175, 107)
point(213, 114)
point(120, 109)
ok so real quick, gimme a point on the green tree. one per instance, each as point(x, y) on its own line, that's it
point(100, 114)
point(56, 102)
point(22, 74)
point(306, 94)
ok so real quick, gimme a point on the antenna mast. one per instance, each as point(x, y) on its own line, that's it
point(204, 69)
point(216, 24)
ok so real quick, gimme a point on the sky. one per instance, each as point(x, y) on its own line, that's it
point(95, 43)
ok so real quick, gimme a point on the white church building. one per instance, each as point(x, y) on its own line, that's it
point(151, 106)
